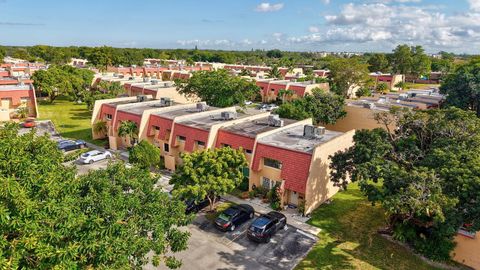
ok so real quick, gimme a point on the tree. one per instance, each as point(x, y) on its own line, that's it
point(382, 88)
point(107, 219)
point(285, 93)
point(347, 73)
point(325, 108)
point(100, 127)
point(274, 73)
point(209, 174)
point(128, 129)
point(401, 60)
point(401, 85)
point(218, 88)
point(364, 92)
point(378, 63)
point(463, 87)
point(445, 65)
point(425, 174)
point(421, 63)
point(245, 72)
point(145, 155)
point(2, 54)
point(274, 53)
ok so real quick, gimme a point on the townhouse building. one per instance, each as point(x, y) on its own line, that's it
point(292, 155)
point(270, 89)
point(14, 96)
point(391, 80)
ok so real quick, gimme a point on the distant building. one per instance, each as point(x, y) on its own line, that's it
point(16, 94)
point(77, 62)
point(270, 88)
point(391, 80)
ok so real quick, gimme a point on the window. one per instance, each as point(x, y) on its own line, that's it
point(181, 138)
point(156, 128)
point(266, 182)
point(226, 145)
point(166, 147)
point(200, 143)
point(108, 116)
point(248, 151)
point(24, 99)
point(272, 163)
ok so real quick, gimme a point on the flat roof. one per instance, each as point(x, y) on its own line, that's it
point(180, 112)
point(207, 121)
point(140, 107)
point(254, 127)
point(10, 87)
point(293, 139)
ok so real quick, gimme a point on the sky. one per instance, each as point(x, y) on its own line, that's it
point(296, 25)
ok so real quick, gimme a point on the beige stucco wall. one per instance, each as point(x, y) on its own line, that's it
point(467, 251)
point(319, 187)
point(356, 118)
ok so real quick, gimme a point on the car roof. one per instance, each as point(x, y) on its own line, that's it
point(93, 152)
point(275, 214)
point(232, 210)
point(261, 222)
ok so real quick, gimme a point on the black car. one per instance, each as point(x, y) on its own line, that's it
point(234, 216)
point(69, 145)
point(264, 227)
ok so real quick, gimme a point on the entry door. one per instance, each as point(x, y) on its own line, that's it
point(293, 197)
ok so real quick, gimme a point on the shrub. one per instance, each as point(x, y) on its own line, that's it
point(145, 155)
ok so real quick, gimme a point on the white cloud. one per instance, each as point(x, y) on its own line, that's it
point(326, 2)
point(313, 29)
point(474, 5)
point(267, 7)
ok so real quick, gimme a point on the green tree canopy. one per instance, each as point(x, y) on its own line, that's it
point(218, 88)
point(145, 155)
point(426, 174)
point(463, 87)
point(401, 60)
point(209, 174)
point(346, 73)
point(107, 219)
point(378, 62)
point(324, 108)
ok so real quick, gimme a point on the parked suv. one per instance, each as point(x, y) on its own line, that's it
point(264, 227)
point(234, 216)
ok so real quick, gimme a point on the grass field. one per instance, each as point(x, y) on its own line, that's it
point(349, 238)
point(420, 86)
point(71, 120)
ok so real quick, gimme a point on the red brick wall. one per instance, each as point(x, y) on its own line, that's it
point(295, 165)
point(234, 140)
point(106, 109)
point(191, 134)
point(16, 96)
point(150, 92)
point(163, 123)
point(263, 85)
point(124, 116)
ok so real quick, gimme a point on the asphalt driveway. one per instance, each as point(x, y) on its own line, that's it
point(212, 249)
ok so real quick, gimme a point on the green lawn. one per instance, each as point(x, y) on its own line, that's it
point(349, 238)
point(420, 86)
point(71, 120)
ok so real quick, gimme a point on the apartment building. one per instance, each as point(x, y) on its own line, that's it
point(270, 89)
point(391, 80)
point(361, 112)
point(78, 62)
point(14, 96)
point(157, 89)
point(288, 153)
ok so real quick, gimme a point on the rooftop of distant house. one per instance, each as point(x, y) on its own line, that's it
point(139, 107)
point(207, 121)
point(293, 139)
point(181, 111)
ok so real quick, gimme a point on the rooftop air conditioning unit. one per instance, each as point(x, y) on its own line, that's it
point(141, 98)
point(320, 130)
point(146, 79)
point(369, 105)
point(278, 123)
point(202, 107)
point(154, 82)
point(165, 102)
point(228, 115)
point(272, 119)
point(383, 100)
point(131, 78)
point(309, 131)
point(403, 96)
point(115, 74)
point(134, 66)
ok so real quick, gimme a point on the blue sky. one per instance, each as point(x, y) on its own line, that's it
point(300, 25)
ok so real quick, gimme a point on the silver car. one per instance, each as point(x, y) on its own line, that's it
point(93, 156)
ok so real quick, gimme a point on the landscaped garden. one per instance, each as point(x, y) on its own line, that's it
point(349, 238)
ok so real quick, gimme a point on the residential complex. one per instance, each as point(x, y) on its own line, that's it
point(391, 80)
point(290, 154)
point(16, 94)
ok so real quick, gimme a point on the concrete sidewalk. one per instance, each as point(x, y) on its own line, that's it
point(292, 219)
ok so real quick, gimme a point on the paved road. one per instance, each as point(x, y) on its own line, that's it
point(212, 249)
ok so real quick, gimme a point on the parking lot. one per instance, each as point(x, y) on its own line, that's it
point(85, 168)
point(212, 249)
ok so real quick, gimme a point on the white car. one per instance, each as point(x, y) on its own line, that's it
point(248, 102)
point(95, 155)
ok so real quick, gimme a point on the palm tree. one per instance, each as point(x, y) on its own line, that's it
point(245, 72)
point(100, 127)
point(285, 93)
point(128, 129)
point(274, 73)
